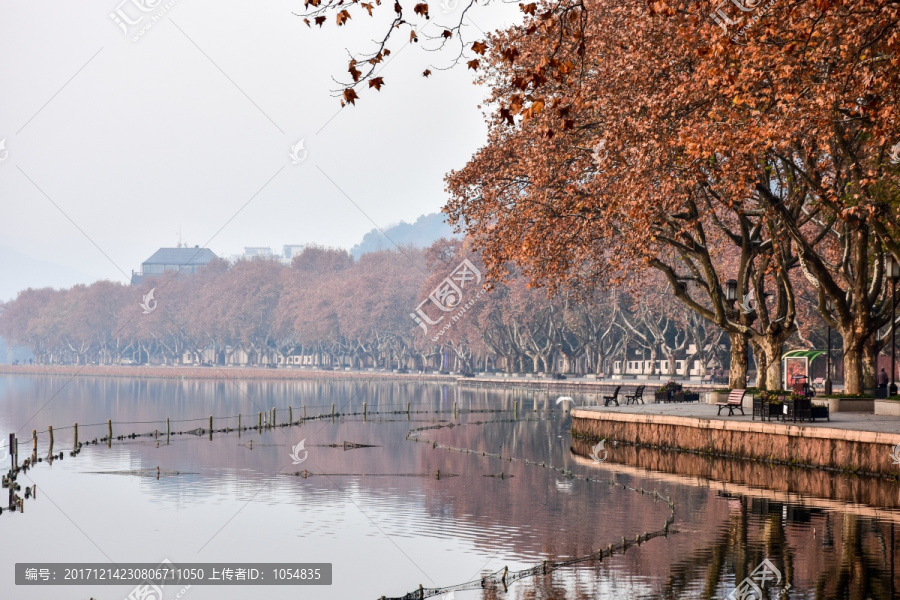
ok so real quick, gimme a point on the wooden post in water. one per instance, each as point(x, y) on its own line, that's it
point(109, 432)
point(210, 425)
point(290, 415)
point(50, 430)
point(304, 412)
point(12, 456)
point(34, 442)
point(407, 411)
point(454, 408)
point(168, 429)
point(332, 410)
point(76, 436)
point(239, 423)
point(259, 421)
point(516, 409)
point(274, 422)
point(364, 411)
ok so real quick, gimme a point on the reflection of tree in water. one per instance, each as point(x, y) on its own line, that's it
point(708, 562)
point(860, 568)
point(551, 586)
point(866, 567)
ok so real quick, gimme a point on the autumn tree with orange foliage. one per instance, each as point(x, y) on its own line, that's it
point(642, 137)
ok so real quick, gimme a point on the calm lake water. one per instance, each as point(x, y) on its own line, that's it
point(389, 523)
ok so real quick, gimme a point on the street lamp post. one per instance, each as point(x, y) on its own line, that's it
point(893, 272)
point(828, 386)
point(731, 289)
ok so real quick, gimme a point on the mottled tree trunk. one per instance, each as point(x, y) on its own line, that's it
point(774, 376)
point(870, 363)
point(737, 372)
point(762, 367)
point(768, 351)
point(853, 379)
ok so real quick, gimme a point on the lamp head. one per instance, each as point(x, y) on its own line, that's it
point(892, 267)
point(731, 290)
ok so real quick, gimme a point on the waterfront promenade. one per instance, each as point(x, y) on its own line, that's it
point(850, 442)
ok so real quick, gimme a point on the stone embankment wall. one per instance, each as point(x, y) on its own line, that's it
point(846, 450)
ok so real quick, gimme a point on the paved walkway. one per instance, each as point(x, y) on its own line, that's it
point(852, 421)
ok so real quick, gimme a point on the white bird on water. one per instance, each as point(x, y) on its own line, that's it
point(563, 399)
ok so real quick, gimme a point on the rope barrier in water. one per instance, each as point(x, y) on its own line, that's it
point(288, 408)
point(504, 577)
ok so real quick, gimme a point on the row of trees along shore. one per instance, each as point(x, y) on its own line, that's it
point(325, 306)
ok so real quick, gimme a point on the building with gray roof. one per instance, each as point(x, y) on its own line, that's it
point(180, 260)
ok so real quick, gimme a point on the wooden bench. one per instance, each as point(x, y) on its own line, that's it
point(638, 396)
point(735, 401)
point(613, 398)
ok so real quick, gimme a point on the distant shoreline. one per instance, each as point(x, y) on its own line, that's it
point(493, 381)
point(216, 372)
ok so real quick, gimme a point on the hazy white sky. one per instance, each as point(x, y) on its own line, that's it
point(113, 145)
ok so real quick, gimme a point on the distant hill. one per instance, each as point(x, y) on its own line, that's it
point(425, 231)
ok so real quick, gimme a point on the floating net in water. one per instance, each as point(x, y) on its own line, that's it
point(504, 577)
